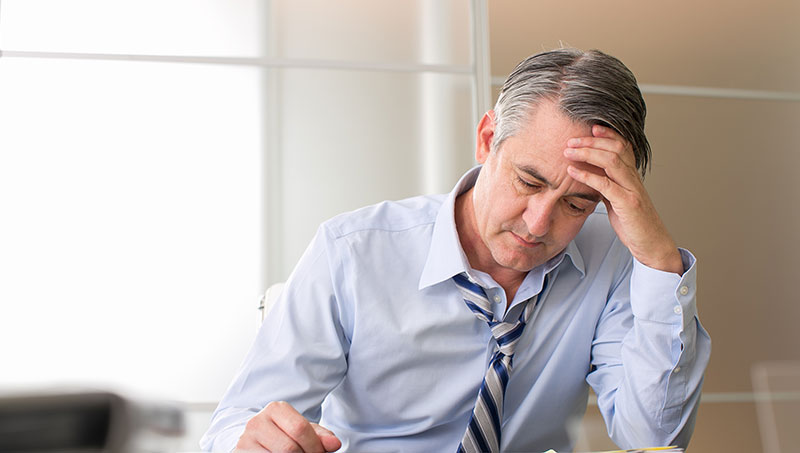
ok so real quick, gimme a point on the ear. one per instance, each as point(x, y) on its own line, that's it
point(485, 136)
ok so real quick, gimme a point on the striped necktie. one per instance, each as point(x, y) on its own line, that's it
point(483, 431)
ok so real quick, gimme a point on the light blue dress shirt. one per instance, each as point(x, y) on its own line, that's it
point(372, 338)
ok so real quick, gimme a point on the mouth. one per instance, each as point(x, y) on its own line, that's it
point(525, 243)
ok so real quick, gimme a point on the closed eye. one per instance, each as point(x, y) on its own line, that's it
point(575, 208)
point(528, 184)
point(579, 205)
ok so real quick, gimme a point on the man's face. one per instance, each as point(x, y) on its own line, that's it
point(527, 208)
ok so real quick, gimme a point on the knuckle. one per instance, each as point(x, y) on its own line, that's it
point(296, 428)
point(275, 407)
point(253, 424)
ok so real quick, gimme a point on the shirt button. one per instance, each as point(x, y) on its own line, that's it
point(497, 299)
point(684, 290)
point(677, 310)
point(677, 369)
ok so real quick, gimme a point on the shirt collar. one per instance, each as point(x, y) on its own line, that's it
point(446, 258)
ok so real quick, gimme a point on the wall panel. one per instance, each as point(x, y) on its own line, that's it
point(724, 180)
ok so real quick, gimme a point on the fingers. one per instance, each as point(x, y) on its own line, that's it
point(608, 151)
point(329, 440)
point(605, 158)
point(602, 184)
point(294, 426)
point(280, 428)
point(261, 434)
point(613, 165)
point(607, 140)
point(607, 132)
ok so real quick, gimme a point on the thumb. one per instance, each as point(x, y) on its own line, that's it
point(329, 440)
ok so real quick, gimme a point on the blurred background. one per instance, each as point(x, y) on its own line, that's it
point(163, 162)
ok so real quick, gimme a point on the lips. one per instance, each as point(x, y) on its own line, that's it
point(525, 243)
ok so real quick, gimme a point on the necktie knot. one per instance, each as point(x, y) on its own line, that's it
point(506, 334)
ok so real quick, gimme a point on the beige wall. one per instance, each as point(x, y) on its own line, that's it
point(723, 174)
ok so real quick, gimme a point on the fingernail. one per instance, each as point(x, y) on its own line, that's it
point(574, 142)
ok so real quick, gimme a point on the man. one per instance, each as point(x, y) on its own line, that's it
point(478, 320)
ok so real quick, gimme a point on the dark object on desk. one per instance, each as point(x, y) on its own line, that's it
point(87, 422)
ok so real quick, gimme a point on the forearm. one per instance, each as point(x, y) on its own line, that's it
point(657, 398)
point(298, 355)
point(649, 396)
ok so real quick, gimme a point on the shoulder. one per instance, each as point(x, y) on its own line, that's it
point(387, 216)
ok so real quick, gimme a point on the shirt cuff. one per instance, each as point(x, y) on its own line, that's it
point(665, 297)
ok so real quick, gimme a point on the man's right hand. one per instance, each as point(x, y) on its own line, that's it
point(280, 428)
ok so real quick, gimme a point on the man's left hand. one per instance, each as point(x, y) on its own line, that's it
point(630, 210)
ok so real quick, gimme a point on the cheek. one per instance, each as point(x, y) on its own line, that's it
point(489, 204)
point(508, 206)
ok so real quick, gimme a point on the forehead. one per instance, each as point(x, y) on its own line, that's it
point(547, 123)
point(540, 142)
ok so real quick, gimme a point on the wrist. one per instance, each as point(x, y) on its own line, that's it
point(668, 261)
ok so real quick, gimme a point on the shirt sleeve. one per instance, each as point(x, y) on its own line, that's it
point(298, 356)
point(649, 355)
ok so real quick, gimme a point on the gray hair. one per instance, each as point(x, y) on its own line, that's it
point(591, 87)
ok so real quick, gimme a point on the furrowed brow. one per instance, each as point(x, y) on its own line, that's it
point(591, 197)
point(533, 173)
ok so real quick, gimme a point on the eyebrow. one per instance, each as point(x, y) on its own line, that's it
point(532, 172)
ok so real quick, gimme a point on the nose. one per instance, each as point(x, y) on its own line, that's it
point(538, 216)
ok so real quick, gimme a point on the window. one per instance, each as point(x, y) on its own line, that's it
point(130, 183)
point(162, 163)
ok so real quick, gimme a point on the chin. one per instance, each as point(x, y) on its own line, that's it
point(516, 262)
